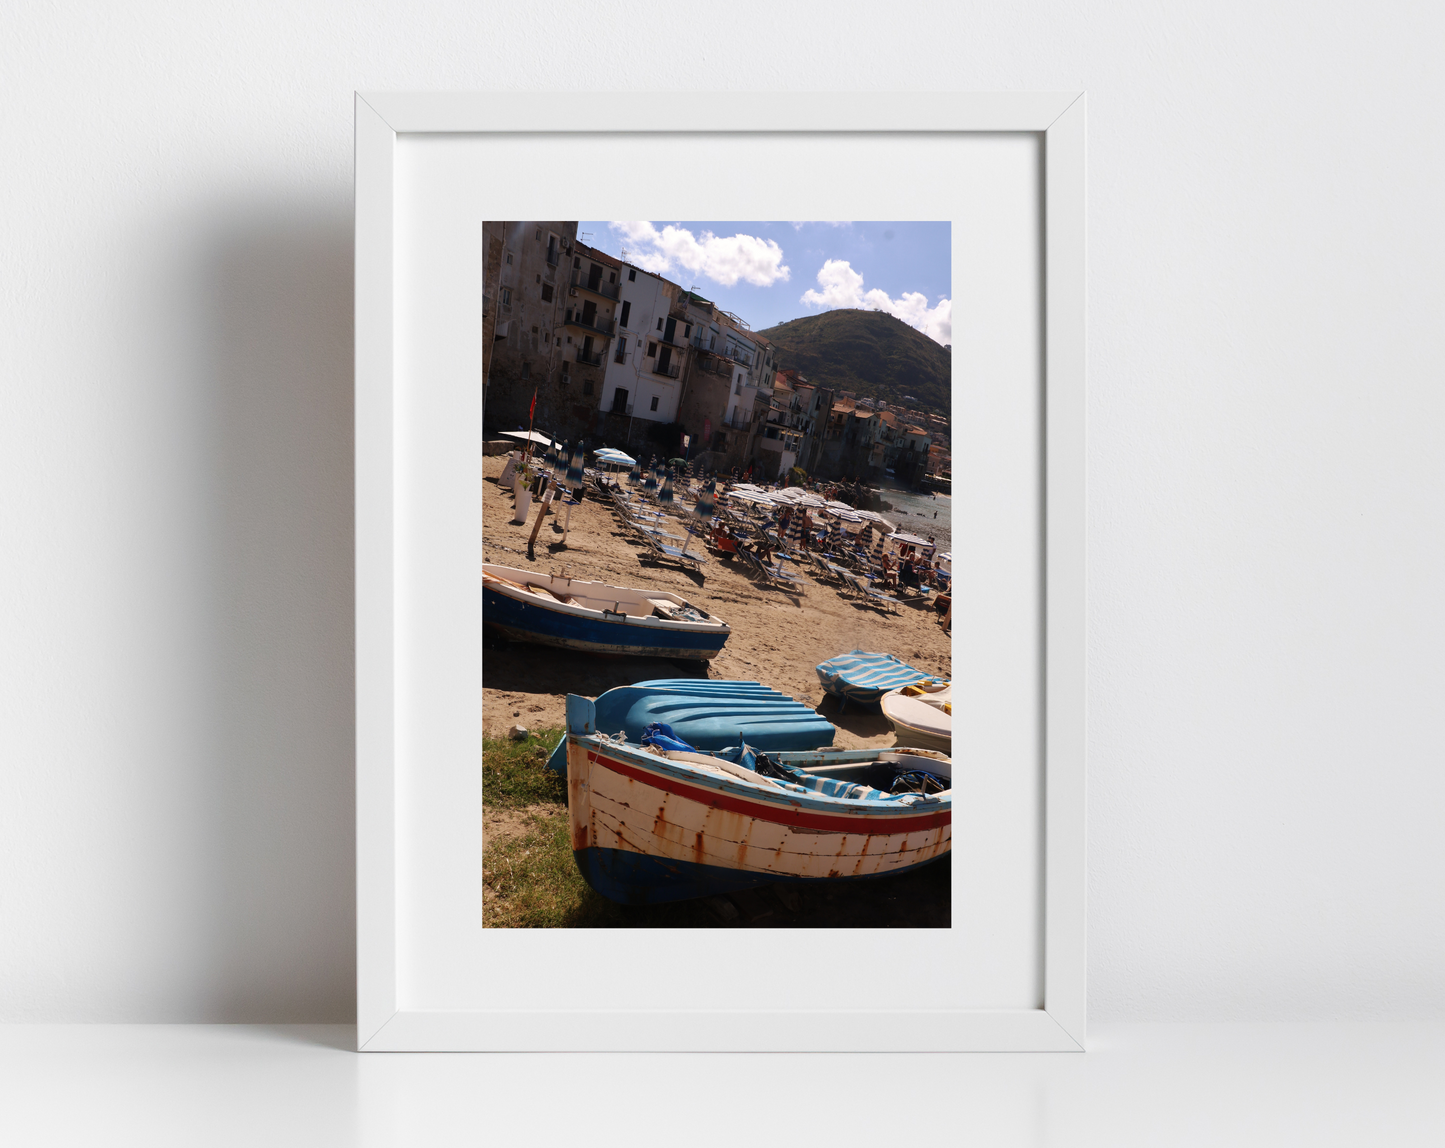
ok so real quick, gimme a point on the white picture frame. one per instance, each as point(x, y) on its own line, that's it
point(385, 662)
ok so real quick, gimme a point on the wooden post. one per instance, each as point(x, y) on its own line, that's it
point(536, 526)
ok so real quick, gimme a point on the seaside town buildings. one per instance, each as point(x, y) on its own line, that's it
point(583, 345)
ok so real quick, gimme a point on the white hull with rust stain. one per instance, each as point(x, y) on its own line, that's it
point(737, 825)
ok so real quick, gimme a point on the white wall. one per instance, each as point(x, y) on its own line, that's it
point(1267, 279)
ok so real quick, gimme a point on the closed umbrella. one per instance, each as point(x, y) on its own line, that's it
point(574, 480)
point(879, 544)
point(795, 527)
point(665, 495)
point(702, 512)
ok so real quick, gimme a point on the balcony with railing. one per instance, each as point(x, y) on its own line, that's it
point(554, 255)
point(592, 359)
point(596, 323)
point(670, 370)
point(595, 284)
point(620, 356)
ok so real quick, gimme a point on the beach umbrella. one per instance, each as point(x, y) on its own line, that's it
point(702, 512)
point(636, 476)
point(665, 495)
point(865, 537)
point(653, 475)
point(575, 466)
point(559, 461)
point(574, 480)
point(795, 527)
point(879, 543)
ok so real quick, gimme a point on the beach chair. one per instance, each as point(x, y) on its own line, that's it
point(656, 532)
point(663, 552)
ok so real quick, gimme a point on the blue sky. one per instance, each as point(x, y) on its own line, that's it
point(768, 273)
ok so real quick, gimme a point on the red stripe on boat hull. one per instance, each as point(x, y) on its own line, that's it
point(883, 824)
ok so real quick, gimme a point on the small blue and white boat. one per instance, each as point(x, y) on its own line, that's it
point(659, 821)
point(709, 714)
point(864, 678)
point(526, 606)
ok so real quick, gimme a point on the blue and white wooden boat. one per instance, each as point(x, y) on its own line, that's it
point(864, 678)
point(650, 824)
point(708, 714)
point(558, 611)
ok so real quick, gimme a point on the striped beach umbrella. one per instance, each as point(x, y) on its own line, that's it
point(795, 527)
point(880, 543)
point(575, 466)
point(703, 511)
point(665, 495)
point(559, 461)
point(636, 476)
point(653, 479)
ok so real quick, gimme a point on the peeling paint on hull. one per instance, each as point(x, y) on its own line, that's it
point(646, 830)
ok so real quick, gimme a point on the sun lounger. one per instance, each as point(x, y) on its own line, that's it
point(657, 532)
point(692, 559)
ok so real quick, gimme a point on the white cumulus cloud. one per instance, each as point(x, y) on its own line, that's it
point(843, 287)
point(723, 259)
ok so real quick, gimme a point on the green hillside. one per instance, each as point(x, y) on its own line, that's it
point(868, 352)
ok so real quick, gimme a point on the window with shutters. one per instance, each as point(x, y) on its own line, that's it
point(586, 386)
point(631, 275)
point(626, 311)
point(526, 370)
point(652, 350)
point(509, 256)
point(654, 404)
point(546, 292)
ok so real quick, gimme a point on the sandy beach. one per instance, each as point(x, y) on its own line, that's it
point(777, 638)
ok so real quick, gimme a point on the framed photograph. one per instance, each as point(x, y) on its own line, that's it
point(685, 528)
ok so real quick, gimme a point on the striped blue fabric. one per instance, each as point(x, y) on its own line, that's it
point(864, 677)
point(747, 757)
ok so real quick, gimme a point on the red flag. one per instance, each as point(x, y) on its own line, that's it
point(533, 409)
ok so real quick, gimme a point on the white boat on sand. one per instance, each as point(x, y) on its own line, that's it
point(922, 715)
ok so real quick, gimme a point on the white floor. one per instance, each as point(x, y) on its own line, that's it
point(1242, 1084)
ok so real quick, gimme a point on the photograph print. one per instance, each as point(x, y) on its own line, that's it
point(717, 684)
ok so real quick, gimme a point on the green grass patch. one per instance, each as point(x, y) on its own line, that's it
point(515, 773)
point(534, 884)
point(534, 880)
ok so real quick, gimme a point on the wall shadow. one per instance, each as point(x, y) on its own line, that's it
point(273, 292)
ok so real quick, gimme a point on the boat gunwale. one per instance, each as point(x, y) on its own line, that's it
point(525, 597)
point(774, 797)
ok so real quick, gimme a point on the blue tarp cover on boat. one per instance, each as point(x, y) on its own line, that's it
point(864, 678)
point(709, 715)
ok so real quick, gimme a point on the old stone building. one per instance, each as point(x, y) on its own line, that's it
point(522, 326)
point(648, 365)
point(728, 386)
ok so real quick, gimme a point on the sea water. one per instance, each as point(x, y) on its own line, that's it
point(913, 513)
